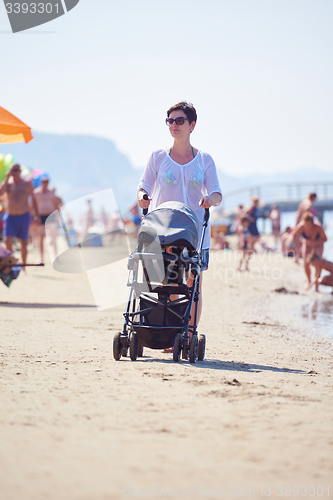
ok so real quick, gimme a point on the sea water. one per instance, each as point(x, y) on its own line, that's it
point(318, 313)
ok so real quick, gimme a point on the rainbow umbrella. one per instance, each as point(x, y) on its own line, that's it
point(12, 129)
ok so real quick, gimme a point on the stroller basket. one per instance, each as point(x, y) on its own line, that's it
point(159, 323)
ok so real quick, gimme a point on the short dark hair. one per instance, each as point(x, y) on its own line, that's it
point(188, 109)
point(312, 196)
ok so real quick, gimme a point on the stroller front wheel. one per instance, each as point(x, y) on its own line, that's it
point(117, 346)
point(193, 348)
point(201, 347)
point(134, 346)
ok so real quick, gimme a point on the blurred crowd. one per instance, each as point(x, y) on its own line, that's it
point(303, 242)
point(24, 211)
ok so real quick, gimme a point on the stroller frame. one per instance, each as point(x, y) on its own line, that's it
point(172, 316)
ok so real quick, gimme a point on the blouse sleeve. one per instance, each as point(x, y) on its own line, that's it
point(149, 176)
point(211, 179)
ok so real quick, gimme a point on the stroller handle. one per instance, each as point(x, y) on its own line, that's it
point(145, 210)
point(206, 217)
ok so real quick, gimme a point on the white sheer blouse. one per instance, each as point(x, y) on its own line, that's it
point(165, 180)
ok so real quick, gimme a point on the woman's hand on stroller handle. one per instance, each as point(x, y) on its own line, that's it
point(205, 202)
point(143, 199)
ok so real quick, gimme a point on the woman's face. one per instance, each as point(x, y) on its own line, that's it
point(180, 131)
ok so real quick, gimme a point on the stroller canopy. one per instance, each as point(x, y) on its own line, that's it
point(173, 222)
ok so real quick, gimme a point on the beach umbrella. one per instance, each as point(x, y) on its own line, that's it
point(12, 129)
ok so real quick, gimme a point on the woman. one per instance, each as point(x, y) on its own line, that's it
point(182, 173)
point(313, 238)
point(319, 264)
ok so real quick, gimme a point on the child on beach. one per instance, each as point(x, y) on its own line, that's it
point(319, 264)
point(288, 247)
point(244, 236)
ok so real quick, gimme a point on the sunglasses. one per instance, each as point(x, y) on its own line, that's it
point(178, 121)
point(16, 170)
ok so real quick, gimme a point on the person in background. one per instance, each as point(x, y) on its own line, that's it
point(17, 220)
point(313, 238)
point(47, 204)
point(321, 264)
point(275, 217)
point(236, 223)
point(252, 214)
point(287, 244)
point(218, 240)
point(305, 206)
point(58, 201)
point(244, 236)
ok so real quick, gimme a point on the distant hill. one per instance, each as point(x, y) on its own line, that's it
point(80, 165)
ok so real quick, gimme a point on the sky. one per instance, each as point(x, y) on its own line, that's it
point(259, 73)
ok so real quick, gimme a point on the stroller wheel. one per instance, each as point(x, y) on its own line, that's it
point(134, 346)
point(185, 348)
point(140, 350)
point(117, 347)
point(194, 348)
point(177, 346)
point(124, 352)
point(201, 347)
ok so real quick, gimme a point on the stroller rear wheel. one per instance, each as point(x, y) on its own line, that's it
point(117, 346)
point(177, 346)
point(194, 348)
point(201, 347)
point(124, 352)
point(134, 346)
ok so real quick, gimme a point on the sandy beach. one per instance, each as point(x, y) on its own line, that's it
point(253, 419)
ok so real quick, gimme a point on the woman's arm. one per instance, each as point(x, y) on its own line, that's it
point(297, 231)
point(210, 201)
point(147, 181)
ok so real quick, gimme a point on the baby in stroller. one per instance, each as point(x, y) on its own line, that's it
point(160, 302)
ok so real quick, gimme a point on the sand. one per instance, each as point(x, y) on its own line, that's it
point(253, 419)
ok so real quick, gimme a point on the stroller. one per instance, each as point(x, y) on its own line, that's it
point(160, 302)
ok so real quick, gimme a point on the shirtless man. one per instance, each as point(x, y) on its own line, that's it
point(18, 218)
point(306, 206)
point(47, 203)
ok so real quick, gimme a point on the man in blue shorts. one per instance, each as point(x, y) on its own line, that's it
point(18, 218)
